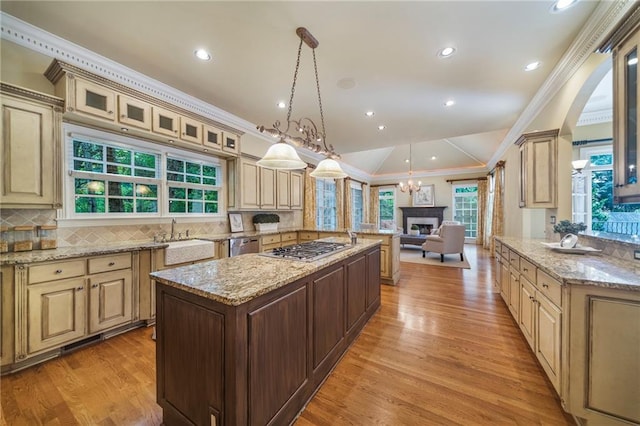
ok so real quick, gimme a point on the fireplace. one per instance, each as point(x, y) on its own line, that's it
point(436, 213)
point(425, 224)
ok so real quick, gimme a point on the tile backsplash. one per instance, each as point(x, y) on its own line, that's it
point(96, 235)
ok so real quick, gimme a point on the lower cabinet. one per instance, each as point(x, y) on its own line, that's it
point(547, 342)
point(514, 294)
point(109, 300)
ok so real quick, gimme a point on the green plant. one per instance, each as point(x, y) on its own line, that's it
point(414, 227)
point(266, 218)
point(568, 227)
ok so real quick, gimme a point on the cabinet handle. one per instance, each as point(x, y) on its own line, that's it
point(80, 288)
point(545, 285)
point(112, 263)
point(94, 286)
point(123, 116)
point(58, 271)
point(525, 269)
point(531, 298)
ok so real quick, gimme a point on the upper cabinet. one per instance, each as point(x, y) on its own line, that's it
point(538, 170)
point(94, 100)
point(625, 116)
point(30, 150)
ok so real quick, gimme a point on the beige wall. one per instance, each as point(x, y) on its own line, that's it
point(23, 67)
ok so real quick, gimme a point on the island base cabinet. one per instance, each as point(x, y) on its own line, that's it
point(259, 363)
point(604, 385)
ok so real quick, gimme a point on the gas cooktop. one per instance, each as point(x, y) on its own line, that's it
point(307, 252)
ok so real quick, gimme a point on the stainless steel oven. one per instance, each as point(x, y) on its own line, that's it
point(243, 245)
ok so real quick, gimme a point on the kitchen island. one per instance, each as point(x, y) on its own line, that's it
point(249, 339)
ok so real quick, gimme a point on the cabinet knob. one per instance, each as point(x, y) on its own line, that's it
point(123, 116)
point(525, 269)
point(94, 286)
point(530, 297)
point(545, 285)
point(58, 271)
point(112, 263)
point(80, 288)
point(109, 112)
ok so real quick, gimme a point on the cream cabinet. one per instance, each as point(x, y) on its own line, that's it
point(190, 130)
point(133, 112)
point(165, 122)
point(296, 191)
point(62, 302)
point(514, 293)
point(547, 328)
point(249, 184)
point(30, 151)
point(263, 188)
point(269, 242)
point(268, 182)
point(95, 99)
point(626, 118)
point(231, 143)
point(283, 189)
point(538, 170)
point(212, 137)
point(6, 315)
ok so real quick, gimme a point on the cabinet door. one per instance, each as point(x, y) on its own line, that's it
point(373, 277)
point(133, 112)
point(28, 162)
point(95, 100)
point(514, 294)
point(267, 188)
point(504, 280)
point(7, 319)
point(57, 313)
point(626, 116)
point(283, 189)
point(190, 130)
point(250, 178)
point(548, 333)
point(109, 300)
point(296, 191)
point(164, 122)
point(356, 290)
point(538, 170)
point(212, 137)
point(385, 264)
point(527, 310)
point(231, 143)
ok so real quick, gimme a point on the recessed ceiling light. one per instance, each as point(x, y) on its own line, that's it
point(449, 103)
point(369, 113)
point(562, 5)
point(406, 160)
point(532, 66)
point(202, 54)
point(446, 52)
point(433, 157)
point(281, 104)
point(382, 127)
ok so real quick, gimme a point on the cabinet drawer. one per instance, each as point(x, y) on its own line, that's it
point(504, 250)
point(270, 239)
point(56, 271)
point(550, 287)
point(289, 237)
point(269, 247)
point(514, 259)
point(308, 236)
point(109, 263)
point(498, 247)
point(528, 269)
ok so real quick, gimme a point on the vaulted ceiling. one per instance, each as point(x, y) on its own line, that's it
point(373, 56)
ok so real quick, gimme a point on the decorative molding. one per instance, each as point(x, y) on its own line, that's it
point(30, 94)
point(601, 22)
point(621, 31)
point(595, 117)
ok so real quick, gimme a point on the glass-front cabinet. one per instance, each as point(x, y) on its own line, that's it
point(625, 93)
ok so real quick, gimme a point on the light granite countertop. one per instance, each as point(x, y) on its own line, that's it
point(236, 280)
point(70, 252)
point(577, 269)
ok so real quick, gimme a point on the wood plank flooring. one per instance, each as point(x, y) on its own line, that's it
point(442, 349)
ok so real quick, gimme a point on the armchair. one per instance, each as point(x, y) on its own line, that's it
point(450, 240)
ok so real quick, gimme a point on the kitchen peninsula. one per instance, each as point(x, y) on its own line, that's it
point(249, 339)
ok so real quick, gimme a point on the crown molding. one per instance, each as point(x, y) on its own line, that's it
point(29, 36)
point(600, 24)
point(595, 117)
point(384, 179)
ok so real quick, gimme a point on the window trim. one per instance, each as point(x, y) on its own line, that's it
point(391, 188)
point(468, 194)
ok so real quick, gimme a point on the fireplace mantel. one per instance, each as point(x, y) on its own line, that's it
point(421, 212)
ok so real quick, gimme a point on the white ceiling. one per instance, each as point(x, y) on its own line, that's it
point(379, 56)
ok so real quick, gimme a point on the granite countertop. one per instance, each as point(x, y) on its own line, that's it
point(236, 280)
point(576, 269)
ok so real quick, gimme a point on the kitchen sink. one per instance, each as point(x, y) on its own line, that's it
point(188, 251)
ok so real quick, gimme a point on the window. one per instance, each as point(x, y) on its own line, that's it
point(113, 176)
point(465, 208)
point(326, 204)
point(387, 208)
point(356, 205)
point(592, 192)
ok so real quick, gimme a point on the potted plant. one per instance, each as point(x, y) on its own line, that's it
point(565, 227)
point(266, 221)
point(415, 230)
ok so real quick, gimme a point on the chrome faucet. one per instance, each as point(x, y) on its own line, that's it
point(173, 233)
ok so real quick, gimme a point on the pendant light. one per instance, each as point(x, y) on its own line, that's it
point(410, 186)
point(283, 155)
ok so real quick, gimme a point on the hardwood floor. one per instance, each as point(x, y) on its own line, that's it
point(442, 349)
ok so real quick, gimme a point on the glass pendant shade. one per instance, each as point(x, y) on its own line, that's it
point(282, 156)
point(328, 169)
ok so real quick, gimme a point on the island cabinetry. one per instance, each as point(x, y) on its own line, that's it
point(626, 118)
point(30, 149)
point(538, 170)
point(62, 302)
point(259, 362)
point(604, 355)
point(389, 255)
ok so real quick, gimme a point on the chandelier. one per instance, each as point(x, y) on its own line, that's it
point(282, 155)
point(410, 185)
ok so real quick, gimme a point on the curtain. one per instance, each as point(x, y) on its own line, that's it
point(340, 204)
point(482, 207)
point(309, 209)
point(365, 203)
point(348, 205)
point(498, 205)
point(374, 206)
